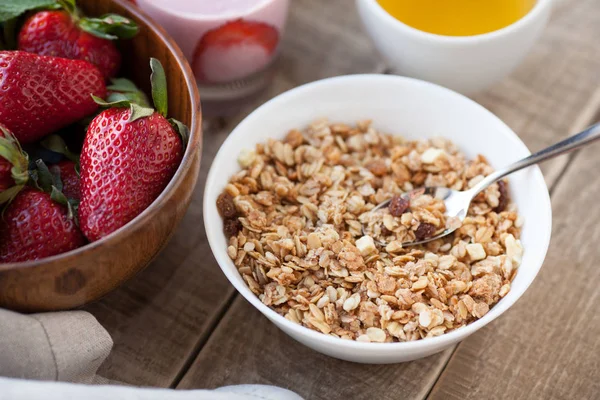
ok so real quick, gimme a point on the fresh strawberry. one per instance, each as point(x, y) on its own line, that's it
point(129, 155)
point(13, 163)
point(66, 169)
point(234, 50)
point(34, 226)
point(65, 33)
point(40, 94)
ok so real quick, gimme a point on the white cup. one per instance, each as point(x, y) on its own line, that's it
point(466, 64)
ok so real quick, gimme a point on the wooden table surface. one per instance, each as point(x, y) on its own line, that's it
point(180, 323)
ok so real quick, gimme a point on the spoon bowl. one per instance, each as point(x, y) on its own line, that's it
point(457, 202)
point(457, 205)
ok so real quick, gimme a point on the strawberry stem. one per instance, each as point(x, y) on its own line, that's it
point(158, 80)
point(70, 7)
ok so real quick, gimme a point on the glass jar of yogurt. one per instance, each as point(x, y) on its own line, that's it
point(230, 44)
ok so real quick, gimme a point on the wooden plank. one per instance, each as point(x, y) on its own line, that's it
point(161, 318)
point(535, 101)
point(247, 348)
point(547, 345)
point(555, 81)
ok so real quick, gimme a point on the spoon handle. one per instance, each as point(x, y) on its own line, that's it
point(569, 144)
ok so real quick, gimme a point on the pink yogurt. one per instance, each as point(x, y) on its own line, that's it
point(224, 40)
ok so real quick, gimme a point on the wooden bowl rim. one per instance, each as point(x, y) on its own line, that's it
point(194, 146)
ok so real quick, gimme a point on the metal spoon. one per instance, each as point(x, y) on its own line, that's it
point(457, 202)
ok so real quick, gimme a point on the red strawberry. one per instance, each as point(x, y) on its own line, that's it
point(13, 163)
point(66, 34)
point(129, 156)
point(234, 50)
point(41, 94)
point(69, 177)
point(34, 226)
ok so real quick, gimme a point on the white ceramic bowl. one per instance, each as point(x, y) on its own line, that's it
point(466, 64)
point(413, 109)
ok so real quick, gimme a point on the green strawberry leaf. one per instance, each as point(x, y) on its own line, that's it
point(137, 111)
point(182, 130)
point(68, 5)
point(10, 9)
point(109, 26)
point(44, 178)
point(122, 85)
point(56, 144)
point(11, 150)
point(51, 183)
point(118, 103)
point(58, 184)
point(158, 80)
point(8, 151)
point(124, 89)
point(58, 196)
point(9, 194)
point(116, 97)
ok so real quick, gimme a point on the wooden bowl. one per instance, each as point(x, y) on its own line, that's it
point(75, 278)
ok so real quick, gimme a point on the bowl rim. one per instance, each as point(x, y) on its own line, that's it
point(297, 330)
point(537, 10)
point(194, 146)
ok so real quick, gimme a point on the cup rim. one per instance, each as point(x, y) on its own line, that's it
point(381, 13)
point(200, 17)
point(215, 177)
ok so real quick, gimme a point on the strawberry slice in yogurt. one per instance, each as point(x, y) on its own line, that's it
point(234, 50)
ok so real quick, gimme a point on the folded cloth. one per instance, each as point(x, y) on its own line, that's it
point(58, 346)
point(17, 389)
point(70, 346)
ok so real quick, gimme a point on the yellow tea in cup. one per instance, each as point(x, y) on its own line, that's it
point(457, 17)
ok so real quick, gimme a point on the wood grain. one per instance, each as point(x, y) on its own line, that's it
point(161, 318)
point(547, 345)
point(538, 103)
point(85, 274)
point(247, 348)
point(556, 82)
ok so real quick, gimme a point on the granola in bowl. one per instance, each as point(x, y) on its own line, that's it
point(294, 216)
